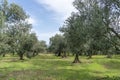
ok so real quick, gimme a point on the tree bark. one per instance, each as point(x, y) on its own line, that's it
point(59, 53)
point(76, 60)
point(21, 57)
point(89, 54)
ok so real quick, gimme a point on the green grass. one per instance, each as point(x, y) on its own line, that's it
point(49, 67)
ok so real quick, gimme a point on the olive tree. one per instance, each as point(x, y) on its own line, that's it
point(58, 45)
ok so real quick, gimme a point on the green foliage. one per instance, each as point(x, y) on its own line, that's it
point(92, 29)
point(58, 45)
point(15, 31)
point(39, 47)
point(42, 46)
point(16, 13)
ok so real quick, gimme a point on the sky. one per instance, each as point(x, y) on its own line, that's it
point(46, 16)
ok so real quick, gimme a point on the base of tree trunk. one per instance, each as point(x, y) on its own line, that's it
point(76, 60)
point(89, 54)
point(64, 55)
point(68, 54)
point(109, 56)
point(3, 55)
point(89, 57)
point(59, 54)
point(21, 57)
point(13, 53)
point(33, 54)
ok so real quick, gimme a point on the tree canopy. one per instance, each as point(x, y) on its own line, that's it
point(15, 32)
point(92, 28)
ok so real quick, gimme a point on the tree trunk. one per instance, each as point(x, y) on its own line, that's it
point(76, 60)
point(33, 54)
point(36, 53)
point(68, 54)
point(73, 54)
point(13, 53)
point(64, 55)
point(59, 53)
point(4, 55)
point(89, 54)
point(109, 56)
point(21, 57)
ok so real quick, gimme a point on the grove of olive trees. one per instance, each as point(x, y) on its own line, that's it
point(16, 36)
point(94, 28)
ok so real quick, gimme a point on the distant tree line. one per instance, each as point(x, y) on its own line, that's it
point(16, 36)
point(93, 29)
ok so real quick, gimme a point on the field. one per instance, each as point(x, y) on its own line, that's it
point(49, 67)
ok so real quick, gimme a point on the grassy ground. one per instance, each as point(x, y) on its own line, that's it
point(49, 67)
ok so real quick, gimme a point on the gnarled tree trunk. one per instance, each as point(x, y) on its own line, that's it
point(76, 60)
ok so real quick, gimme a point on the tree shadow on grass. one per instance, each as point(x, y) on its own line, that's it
point(60, 74)
point(109, 78)
point(49, 75)
point(14, 60)
point(116, 56)
point(112, 65)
